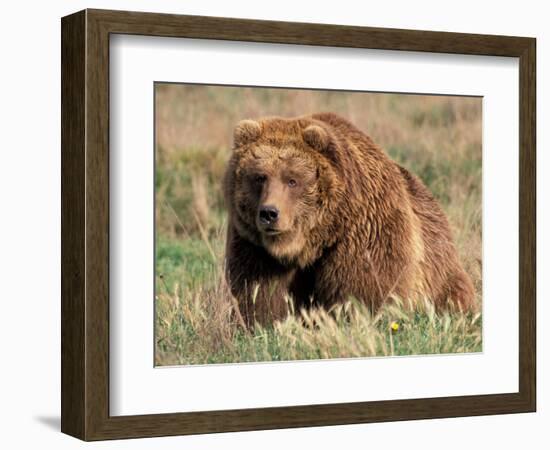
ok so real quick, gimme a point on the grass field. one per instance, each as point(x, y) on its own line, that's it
point(437, 138)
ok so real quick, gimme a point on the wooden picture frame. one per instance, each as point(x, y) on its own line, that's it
point(85, 224)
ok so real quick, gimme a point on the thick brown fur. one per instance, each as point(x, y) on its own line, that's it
point(351, 222)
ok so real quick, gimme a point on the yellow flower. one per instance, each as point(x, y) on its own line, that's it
point(395, 326)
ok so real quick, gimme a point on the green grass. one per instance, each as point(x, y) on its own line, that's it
point(187, 335)
point(187, 263)
point(437, 138)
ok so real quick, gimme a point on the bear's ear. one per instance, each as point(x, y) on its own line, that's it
point(246, 131)
point(316, 137)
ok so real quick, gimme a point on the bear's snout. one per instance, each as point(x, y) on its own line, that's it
point(268, 215)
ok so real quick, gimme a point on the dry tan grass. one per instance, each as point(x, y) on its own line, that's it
point(198, 327)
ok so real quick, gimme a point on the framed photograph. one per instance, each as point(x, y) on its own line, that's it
point(273, 225)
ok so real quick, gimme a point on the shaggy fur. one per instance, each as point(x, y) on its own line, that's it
point(351, 222)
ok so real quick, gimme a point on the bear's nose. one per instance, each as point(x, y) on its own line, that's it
point(268, 215)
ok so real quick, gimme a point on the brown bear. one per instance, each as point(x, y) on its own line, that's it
point(319, 214)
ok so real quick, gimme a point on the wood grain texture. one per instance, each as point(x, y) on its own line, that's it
point(152, 24)
point(527, 224)
point(85, 224)
point(73, 111)
point(97, 225)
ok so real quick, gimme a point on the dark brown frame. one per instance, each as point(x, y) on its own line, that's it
point(85, 224)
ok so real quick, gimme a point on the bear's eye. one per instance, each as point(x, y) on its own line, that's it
point(292, 182)
point(260, 179)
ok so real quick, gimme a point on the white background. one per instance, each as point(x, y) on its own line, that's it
point(30, 237)
point(136, 387)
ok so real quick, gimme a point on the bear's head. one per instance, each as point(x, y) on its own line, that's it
point(281, 186)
